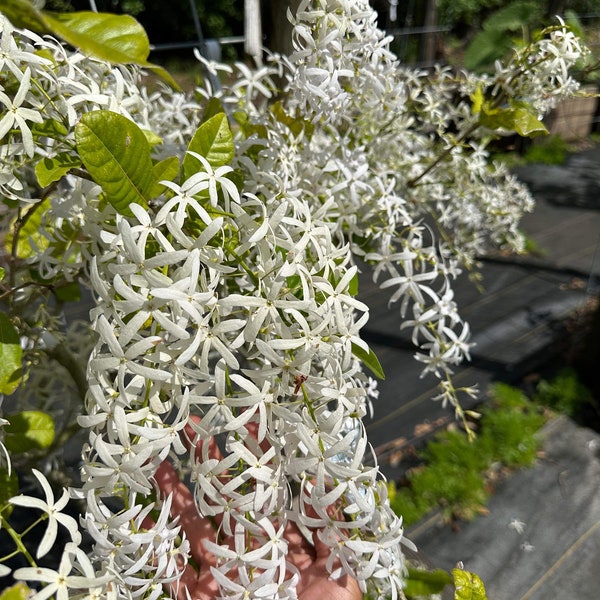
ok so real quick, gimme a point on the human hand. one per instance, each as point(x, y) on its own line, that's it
point(197, 579)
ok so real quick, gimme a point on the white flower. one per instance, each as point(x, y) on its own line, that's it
point(75, 572)
point(52, 509)
point(517, 525)
point(13, 55)
point(18, 115)
point(527, 546)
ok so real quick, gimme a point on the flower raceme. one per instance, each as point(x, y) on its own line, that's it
point(225, 311)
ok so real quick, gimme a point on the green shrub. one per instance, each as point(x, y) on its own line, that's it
point(454, 474)
point(552, 150)
point(565, 393)
point(510, 437)
point(456, 488)
point(406, 503)
point(508, 429)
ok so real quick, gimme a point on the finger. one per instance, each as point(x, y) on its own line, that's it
point(198, 446)
point(320, 548)
point(196, 528)
point(297, 542)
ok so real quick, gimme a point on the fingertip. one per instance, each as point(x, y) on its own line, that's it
point(166, 478)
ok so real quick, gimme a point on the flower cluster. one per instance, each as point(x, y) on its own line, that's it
point(548, 63)
point(226, 318)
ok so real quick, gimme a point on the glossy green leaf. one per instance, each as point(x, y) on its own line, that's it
point(214, 141)
point(369, 359)
point(153, 138)
point(19, 591)
point(28, 430)
point(163, 74)
point(249, 128)
point(51, 169)
point(477, 98)
point(50, 128)
point(165, 170)
point(353, 286)
point(518, 117)
point(10, 356)
point(116, 153)
point(295, 124)
point(118, 39)
point(468, 586)
point(9, 487)
point(213, 107)
point(114, 38)
point(526, 122)
point(21, 13)
point(421, 582)
point(31, 235)
point(2, 273)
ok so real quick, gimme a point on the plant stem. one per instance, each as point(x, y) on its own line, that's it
point(17, 540)
point(65, 358)
point(442, 156)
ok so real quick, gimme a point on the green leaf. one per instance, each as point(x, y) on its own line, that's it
point(214, 141)
point(165, 170)
point(249, 128)
point(21, 13)
point(28, 430)
point(370, 360)
point(116, 153)
point(425, 583)
point(477, 99)
point(9, 487)
point(19, 591)
point(50, 128)
point(519, 117)
point(51, 169)
point(213, 107)
point(295, 124)
point(2, 273)
point(468, 586)
point(486, 47)
point(153, 138)
point(114, 38)
point(495, 40)
point(512, 17)
point(353, 286)
point(526, 122)
point(30, 235)
point(10, 356)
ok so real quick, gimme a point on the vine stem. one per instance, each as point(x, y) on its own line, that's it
point(65, 358)
point(20, 222)
point(17, 540)
point(412, 182)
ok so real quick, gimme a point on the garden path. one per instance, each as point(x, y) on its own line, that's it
point(514, 323)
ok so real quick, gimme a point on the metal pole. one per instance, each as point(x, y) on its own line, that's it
point(198, 28)
point(253, 30)
point(214, 80)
